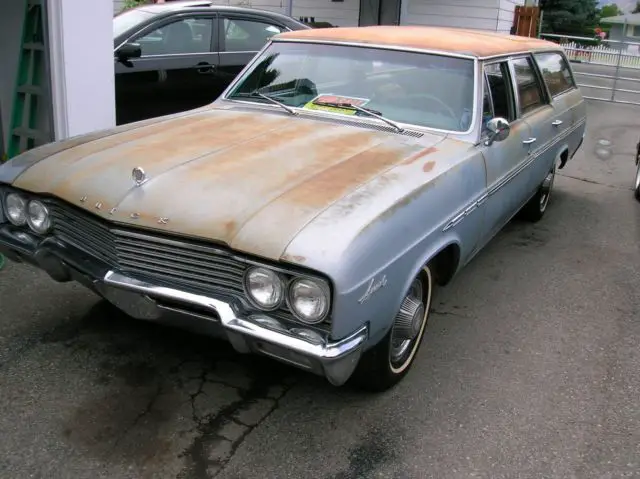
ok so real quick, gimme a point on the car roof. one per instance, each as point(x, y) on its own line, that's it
point(475, 43)
point(188, 5)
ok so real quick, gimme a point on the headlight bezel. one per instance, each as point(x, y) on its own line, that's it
point(290, 277)
point(322, 284)
point(27, 197)
point(48, 219)
point(5, 206)
point(250, 297)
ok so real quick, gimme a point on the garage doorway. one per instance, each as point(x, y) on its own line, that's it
point(379, 12)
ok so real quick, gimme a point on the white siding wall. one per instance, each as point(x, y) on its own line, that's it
point(491, 15)
point(505, 15)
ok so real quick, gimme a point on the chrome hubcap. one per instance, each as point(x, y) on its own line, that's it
point(408, 322)
point(547, 184)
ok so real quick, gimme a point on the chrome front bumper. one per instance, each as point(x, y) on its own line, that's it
point(246, 331)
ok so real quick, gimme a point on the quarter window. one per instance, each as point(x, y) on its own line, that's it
point(189, 35)
point(556, 72)
point(529, 91)
point(247, 35)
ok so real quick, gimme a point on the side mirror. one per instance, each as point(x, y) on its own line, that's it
point(499, 130)
point(129, 50)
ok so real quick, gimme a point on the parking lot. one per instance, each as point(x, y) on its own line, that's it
point(530, 367)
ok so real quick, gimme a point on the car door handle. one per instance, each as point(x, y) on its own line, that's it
point(557, 123)
point(530, 141)
point(205, 68)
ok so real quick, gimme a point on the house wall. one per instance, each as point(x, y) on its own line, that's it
point(490, 15)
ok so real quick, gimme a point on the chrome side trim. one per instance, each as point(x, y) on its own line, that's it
point(469, 208)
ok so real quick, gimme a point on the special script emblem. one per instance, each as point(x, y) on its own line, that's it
point(373, 287)
point(138, 176)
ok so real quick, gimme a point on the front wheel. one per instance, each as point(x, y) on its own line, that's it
point(636, 186)
point(384, 365)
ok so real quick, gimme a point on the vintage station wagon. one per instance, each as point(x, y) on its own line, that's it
point(308, 213)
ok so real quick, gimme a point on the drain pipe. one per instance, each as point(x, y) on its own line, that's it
point(289, 8)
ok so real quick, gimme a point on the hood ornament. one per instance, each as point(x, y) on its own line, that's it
point(138, 176)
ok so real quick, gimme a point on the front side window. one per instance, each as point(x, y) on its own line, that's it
point(529, 90)
point(433, 91)
point(188, 35)
point(556, 73)
point(247, 35)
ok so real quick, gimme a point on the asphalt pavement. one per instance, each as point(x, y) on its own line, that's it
point(627, 79)
point(530, 367)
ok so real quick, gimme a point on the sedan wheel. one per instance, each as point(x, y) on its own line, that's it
point(388, 362)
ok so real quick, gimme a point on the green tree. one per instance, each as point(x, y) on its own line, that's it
point(570, 17)
point(610, 10)
point(637, 8)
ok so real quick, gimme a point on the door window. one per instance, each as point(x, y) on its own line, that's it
point(529, 90)
point(188, 35)
point(556, 73)
point(497, 94)
point(247, 35)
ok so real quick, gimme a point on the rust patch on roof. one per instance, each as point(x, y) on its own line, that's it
point(450, 40)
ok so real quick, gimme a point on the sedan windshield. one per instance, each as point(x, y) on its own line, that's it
point(129, 19)
point(429, 90)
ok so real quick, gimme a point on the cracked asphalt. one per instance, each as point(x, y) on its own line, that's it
point(530, 367)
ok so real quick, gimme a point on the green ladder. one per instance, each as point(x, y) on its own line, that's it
point(31, 114)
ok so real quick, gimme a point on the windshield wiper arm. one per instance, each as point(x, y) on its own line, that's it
point(274, 101)
point(372, 113)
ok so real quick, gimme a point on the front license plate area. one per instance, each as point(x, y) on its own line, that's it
point(136, 305)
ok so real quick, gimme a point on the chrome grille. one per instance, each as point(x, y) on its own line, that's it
point(196, 267)
point(169, 261)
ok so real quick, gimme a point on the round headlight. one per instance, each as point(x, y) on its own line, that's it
point(15, 207)
point(38, 217)
point(309, 300)
point(264, 288)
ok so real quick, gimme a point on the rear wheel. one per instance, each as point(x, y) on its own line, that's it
point(384, 365)
point(535, 209)
point(636, 186)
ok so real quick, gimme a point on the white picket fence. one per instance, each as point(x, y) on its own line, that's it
point(603, 55)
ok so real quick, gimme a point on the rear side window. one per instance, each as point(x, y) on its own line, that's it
point(555, 71)
point(529, 88)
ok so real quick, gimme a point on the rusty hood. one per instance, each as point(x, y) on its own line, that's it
point(249, 180)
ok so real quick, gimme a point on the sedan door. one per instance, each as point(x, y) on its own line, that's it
point(175, 71)
point(241, 37)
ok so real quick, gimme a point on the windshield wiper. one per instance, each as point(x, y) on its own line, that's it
point(373, 113)
point(268, 98)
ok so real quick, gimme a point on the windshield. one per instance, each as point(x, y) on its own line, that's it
point(128, 19)
point(432, 91)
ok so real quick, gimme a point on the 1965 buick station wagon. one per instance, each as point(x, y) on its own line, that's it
point(309, 211)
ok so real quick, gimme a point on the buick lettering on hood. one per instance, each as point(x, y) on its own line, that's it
point(308, 213)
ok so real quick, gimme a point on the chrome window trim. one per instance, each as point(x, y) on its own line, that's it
point(566, 61)
point(514, 83)
point(474, 113)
